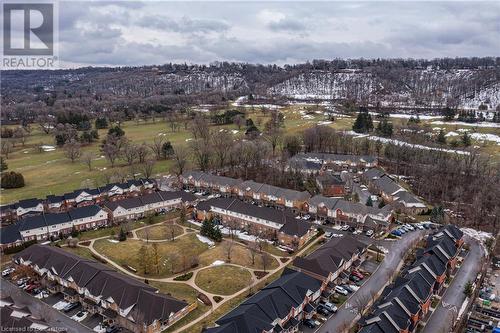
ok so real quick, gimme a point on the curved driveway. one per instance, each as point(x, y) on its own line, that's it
point(348, 313)
point(445, 314)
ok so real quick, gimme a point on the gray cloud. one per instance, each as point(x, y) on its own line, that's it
point(135, 33)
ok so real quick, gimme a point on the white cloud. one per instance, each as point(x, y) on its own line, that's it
point(135, 33)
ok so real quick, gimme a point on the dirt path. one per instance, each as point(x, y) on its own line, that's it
point(191, 281)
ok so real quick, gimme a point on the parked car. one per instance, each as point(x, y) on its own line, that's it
point(346, 287)
point(420, 227)
point(306, 217)
point(8, 271)
point(71, 306)
point(354, 287)
point(22, 281)
point(358, 274)
point(341, 290)
point(322, 310)
point(402, 231)
point(354, 278)
point(112, 329)
point(328, 234)
point(344, 227)
point(357, 232)
point(426, 225)
point(369, 233)
point(309, 323)
point(330, 307)
point(81, 315)
point(396, 233)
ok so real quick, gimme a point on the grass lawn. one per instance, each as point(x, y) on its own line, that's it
point(223, 280)
point(160, 231)
point(240, 255)
point(274, 250)
point(80, 251)
point(104, 232)
point(229, 305)
point(52, 173)
point(176, 255)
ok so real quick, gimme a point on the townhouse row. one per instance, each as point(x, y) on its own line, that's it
point(48, 225)
point(404, 303)
point(312, 163)
point(334, 210)
point(77, 198)
point(265, 222)
point(283, 304)
point(391, 192)
point(17, 318)
point(117, 297)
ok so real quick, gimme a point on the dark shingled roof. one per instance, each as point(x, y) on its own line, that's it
point(257, 313)
point(100, 280)
point(29, 203)
point(330, 256)
point(85, 211)
point(290, 225)
point(10, 234)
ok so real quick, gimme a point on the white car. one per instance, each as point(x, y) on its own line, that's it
point(328, 234)
point(7, 271)
point(357, 232)
point(345, 228)
point(353, 287)
point(306, 217)
point(420, 227)
point(337, 235)
point(369, 233)
point(341, 290)
point(80, 316)
point(330, 307)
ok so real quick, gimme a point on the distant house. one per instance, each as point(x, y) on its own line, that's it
point(273, 195)
point(46, 225)
point(331, 259)
point(278, 307)
point(29, 207)
point(247, 190)
point(404, 303)
point(331, 185)
point(392, 192)
point(55, 203)
point(267, 222)
point(118, 298)
point(333, 162)
point(343, 212)
point(139, 206)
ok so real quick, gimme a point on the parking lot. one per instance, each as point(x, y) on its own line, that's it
point(53, 306)
point(341, 293)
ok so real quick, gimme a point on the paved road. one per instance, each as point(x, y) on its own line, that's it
point(348, 312)
point(446, 313)
point(38, 308)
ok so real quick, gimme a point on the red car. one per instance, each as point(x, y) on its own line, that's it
point(32, 286)
point(357, 274)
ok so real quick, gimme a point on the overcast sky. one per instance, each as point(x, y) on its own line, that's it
point(145, 33)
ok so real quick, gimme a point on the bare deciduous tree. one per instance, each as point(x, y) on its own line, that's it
point(87, 159)
point(72, 150)
point(148, 167)
point(181, 155)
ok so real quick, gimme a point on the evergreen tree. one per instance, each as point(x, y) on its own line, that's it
point(363, 123)
point(448, 113)
point(101, 123)
point(441, 137)
point(167, 150)
point(437, 214)
point(3, 164)
point(182, 216)
point(384, 128)
point(74, 231)
point(369, 202)
point(466, 141)
point(116, 131)
point(12, 180)
point(122, 236)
